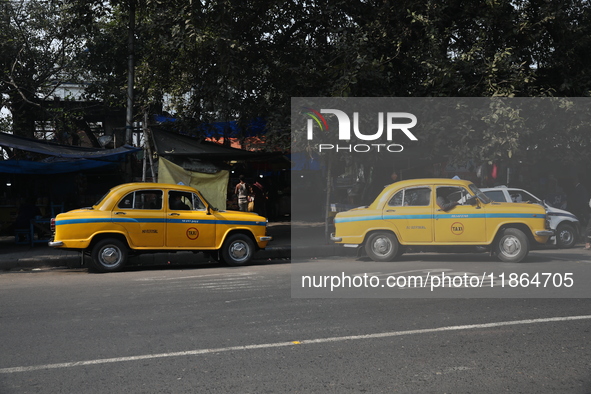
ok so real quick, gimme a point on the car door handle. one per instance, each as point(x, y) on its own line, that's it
point(174, 214)
point(390, 210)
point(120, 213)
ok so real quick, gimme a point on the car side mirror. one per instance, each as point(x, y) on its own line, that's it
point(472, 200)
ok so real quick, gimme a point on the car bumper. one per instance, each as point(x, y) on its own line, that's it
point(545, 233)
point(335, 239)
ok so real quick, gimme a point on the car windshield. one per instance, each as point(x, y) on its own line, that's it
point(481, 196)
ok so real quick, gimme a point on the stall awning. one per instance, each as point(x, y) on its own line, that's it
point(63, 158)
point(172, 144)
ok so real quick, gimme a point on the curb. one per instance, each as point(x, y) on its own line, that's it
point(69, 259)
point(43, 261)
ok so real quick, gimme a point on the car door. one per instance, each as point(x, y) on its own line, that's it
point(188, 224)
point(409, 211)
point(141, 215)
point(464, 223)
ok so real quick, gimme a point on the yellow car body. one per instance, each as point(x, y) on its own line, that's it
point(142, 217)
point(406, 213)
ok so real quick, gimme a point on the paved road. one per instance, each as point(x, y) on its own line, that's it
point(216, 329)
point(549, 273)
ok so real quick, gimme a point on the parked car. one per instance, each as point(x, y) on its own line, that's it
point(406, 214)
point(151, 217)
point(565, 224)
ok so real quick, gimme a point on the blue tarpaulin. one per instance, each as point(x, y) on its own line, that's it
point(302, 161)
point(59, 167)
point(229, 129)
point(63, 158)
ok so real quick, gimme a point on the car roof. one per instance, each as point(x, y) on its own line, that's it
point(487, 189)
point(150, 185)
point(430, 181)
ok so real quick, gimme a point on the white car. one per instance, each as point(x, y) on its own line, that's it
point(565, 224)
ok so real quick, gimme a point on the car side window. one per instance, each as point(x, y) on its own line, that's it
point(516, 197)
point(198, 205)
point(418, 197)
point(148, 199)
point(522, 196)
point(496, 195)
point(126, 202)
point(142, 199)
point(180, 201)
point(458, 195)
point(415, 197)
point(396, 200)
point(531, 197)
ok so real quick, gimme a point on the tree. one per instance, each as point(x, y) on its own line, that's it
point(38, 41)
point(222, 60)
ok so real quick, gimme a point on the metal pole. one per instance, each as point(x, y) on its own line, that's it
point(147, 149)
point(328, 198)
point(130, 74)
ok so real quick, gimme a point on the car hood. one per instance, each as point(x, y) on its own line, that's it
point(560, 212)
point(240, 215)
point(517, 207)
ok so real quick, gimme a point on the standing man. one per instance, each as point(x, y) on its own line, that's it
point(241, 191)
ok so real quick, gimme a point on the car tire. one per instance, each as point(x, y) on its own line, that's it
point(383, 246)
point(566, 236)
point(109, 255)
point(512, 245)
point(237, 250)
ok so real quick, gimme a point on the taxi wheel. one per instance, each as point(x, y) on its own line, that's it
point(382, 246)
point(237, 250)
point(566, 236)
point(512, 245)
point(109, 255)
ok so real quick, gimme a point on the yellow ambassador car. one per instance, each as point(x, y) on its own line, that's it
point(441, 213)
point(140, 217)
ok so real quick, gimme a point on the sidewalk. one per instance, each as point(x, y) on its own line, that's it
point(311, 237)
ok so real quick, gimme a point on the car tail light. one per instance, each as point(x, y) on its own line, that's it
point(52, 225)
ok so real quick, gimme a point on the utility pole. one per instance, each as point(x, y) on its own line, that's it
point(147, 150)
point(130, 73)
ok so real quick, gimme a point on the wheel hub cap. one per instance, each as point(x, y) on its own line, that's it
point(381, 246)
point(511, 246)
point(565, 236)
point(239, 251)
point(110, 256)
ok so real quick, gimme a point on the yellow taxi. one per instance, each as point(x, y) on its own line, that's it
point(140, 217)
point(441, 213)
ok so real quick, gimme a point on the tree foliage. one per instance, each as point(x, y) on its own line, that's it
point(221, 60)
point(38, 41)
